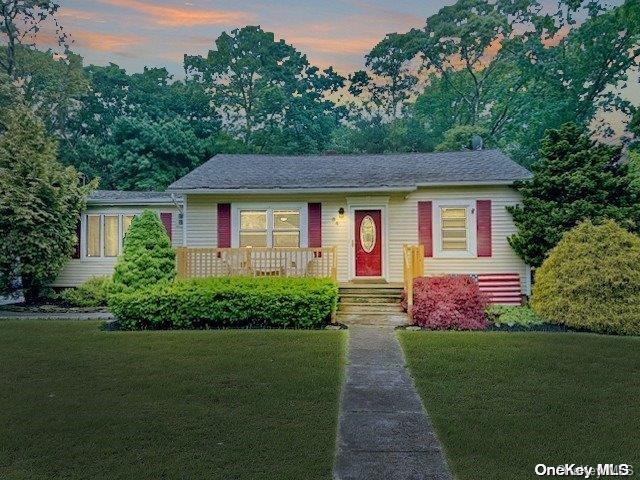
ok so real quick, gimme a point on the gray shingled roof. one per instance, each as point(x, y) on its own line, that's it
point(311, 172)
point(122, 196)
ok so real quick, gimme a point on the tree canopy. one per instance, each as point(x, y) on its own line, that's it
point(266, 90)
point(506, 71)
point(576, 179)
point(40, 203)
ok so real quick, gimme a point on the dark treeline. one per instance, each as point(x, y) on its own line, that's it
point(504, 70)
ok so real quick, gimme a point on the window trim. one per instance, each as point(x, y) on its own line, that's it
point(84, 232)
point(269, 207)
point(472, 234)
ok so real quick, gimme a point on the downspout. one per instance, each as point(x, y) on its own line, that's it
point(182, 212)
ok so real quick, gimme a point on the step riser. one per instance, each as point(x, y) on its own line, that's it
point(371, 309)
point(355, 303)
point(368, 300)
point(369, 319)
point(372, 292)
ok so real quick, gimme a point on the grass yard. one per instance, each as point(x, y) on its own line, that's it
point(79, 403)
point(502, 403)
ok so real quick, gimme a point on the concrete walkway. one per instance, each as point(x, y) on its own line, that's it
point(384, 432)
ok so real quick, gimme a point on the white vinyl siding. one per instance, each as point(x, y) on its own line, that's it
point(202, 221)
point(402, 228)
point(79, 270)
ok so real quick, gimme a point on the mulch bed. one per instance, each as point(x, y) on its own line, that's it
point(49, 308)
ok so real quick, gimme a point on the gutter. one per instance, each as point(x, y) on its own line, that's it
point(150, 201)
point(281, 191)
point(472, 183)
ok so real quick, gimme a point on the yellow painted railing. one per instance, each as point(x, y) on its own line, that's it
point(413, 267)
point(257, 262)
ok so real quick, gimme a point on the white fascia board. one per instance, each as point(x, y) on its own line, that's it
point(487, 183)
point(134, 203)
point(285, 191)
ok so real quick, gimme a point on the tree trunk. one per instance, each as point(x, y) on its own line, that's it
point(32, 289)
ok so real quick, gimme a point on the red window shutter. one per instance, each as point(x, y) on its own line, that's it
point(483, 209)
point(425, 227)
point(167, 218)
point(224, 225)
point(314, 224)
point(76, 252)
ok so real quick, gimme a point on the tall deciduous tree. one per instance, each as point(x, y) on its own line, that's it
point(56, 87)
point(516, 72)
point(9, 96)
point(473, 39)
point(259, 83)
point(576, 179)
point(20, 21)
point(140, 131)
point(40, 203)
point(391, 81)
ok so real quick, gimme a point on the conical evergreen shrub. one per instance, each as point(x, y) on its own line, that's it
point(147, 257)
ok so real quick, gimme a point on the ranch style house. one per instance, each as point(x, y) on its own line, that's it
point(374, 219)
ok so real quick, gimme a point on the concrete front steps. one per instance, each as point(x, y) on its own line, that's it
point(371, 304)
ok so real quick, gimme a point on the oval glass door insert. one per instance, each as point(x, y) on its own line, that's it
point(368, 234)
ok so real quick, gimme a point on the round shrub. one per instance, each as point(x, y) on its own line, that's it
point(512, 316)
point(448, 303)
point(92, 293)
point(147, 256)
point(591, 280)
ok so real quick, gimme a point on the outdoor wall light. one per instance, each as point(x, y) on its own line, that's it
point(338, 220)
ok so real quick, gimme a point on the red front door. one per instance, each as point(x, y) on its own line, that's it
point(368, 243)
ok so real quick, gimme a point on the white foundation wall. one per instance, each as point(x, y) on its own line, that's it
point(401, 228)
point(79, 270)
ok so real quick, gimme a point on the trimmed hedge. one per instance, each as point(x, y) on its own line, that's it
point(591, 280)
point(227, 302)
point(448, 303)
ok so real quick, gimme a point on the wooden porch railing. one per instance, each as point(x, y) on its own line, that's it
point(413, 267)
point(257, 262)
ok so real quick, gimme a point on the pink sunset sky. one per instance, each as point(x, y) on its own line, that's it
point(135, 33)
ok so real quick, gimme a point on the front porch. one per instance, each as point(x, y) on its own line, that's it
point(316, 262)
point(371, 301)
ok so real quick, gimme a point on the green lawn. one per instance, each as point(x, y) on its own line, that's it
point(79, 403)
point(502, 403)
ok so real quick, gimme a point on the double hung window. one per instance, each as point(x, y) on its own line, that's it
point(104, 234)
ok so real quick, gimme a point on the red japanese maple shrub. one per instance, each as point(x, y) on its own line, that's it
point(449, 303)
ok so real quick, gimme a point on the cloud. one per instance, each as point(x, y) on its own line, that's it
point(386, 15)
point(73, 14)
point(103, 42)
point(180, 15)
point(338, 46)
